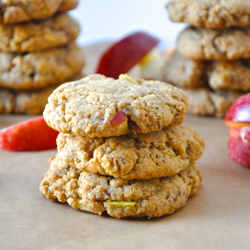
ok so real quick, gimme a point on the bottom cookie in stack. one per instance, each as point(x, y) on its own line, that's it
point(27, 102)
point(212, 86)
point(135, 175)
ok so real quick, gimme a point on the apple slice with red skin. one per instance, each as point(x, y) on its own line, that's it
point(125, 54)
point(238, 119)
point(119, 118)
point(31, 135)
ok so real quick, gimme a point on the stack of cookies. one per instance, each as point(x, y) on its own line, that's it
point(122, 148)
point(37, 52)
point(212, 57)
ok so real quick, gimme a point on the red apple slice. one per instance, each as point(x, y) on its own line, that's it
point(125, 54)
point(31, 135)
point(238, 119)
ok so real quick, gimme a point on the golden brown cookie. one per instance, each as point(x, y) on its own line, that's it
point(219, 75)
point(98, 106)
point(206, 102)
point(36, 70)
point(13, 11)
point(214, 44)
point(210, 13)
point(184, 72)
point(230, 75)
point(27, 102)
point(38, 35)
point(119, 198)
point(134, 156)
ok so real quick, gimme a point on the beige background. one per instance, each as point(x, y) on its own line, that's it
point(217, 217)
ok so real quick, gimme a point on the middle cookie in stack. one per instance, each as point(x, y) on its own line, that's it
point(211, 60)
point(122, 148)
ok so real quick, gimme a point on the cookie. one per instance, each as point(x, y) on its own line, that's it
point(32, 102)
point(230, 75)
point(206, 102)
point(36, 70)
point(134, 156)
point(38, 35)
point(27, 102)
point(214, 44)
point(98, 106)
point(210, 13)
point(118, 197)
point(184, 72)
point(13, 11)
point(219, 75)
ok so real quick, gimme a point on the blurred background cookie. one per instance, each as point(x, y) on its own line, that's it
point(214, 44)
point(210, 13)
point(39, 69)
point(38, 52)
point(211, 59)
point(30, 102)
point(207, 102)
point(38, 35)
point(219, 75)
point(13, 11)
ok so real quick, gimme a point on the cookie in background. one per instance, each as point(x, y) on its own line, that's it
point(38, 52)
point(211, 59)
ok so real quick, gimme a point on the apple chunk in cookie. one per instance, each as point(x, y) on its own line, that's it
point(98, 106)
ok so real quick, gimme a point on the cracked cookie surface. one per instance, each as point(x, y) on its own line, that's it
point(214, 44)
point(134, 156)
point(36, 70)
point(210, 13)
point(90, 106)
point(13, 11)
point(38, 35)
point(219, 75)
point(119, 198)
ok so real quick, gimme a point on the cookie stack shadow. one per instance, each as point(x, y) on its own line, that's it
point(122, 148)
point(38, 52)
point(212, 57)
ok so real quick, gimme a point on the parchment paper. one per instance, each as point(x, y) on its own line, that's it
point(217, 217)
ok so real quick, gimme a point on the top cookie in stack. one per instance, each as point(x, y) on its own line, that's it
point(122, 147)
point(212, 55)
point(37, 52)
